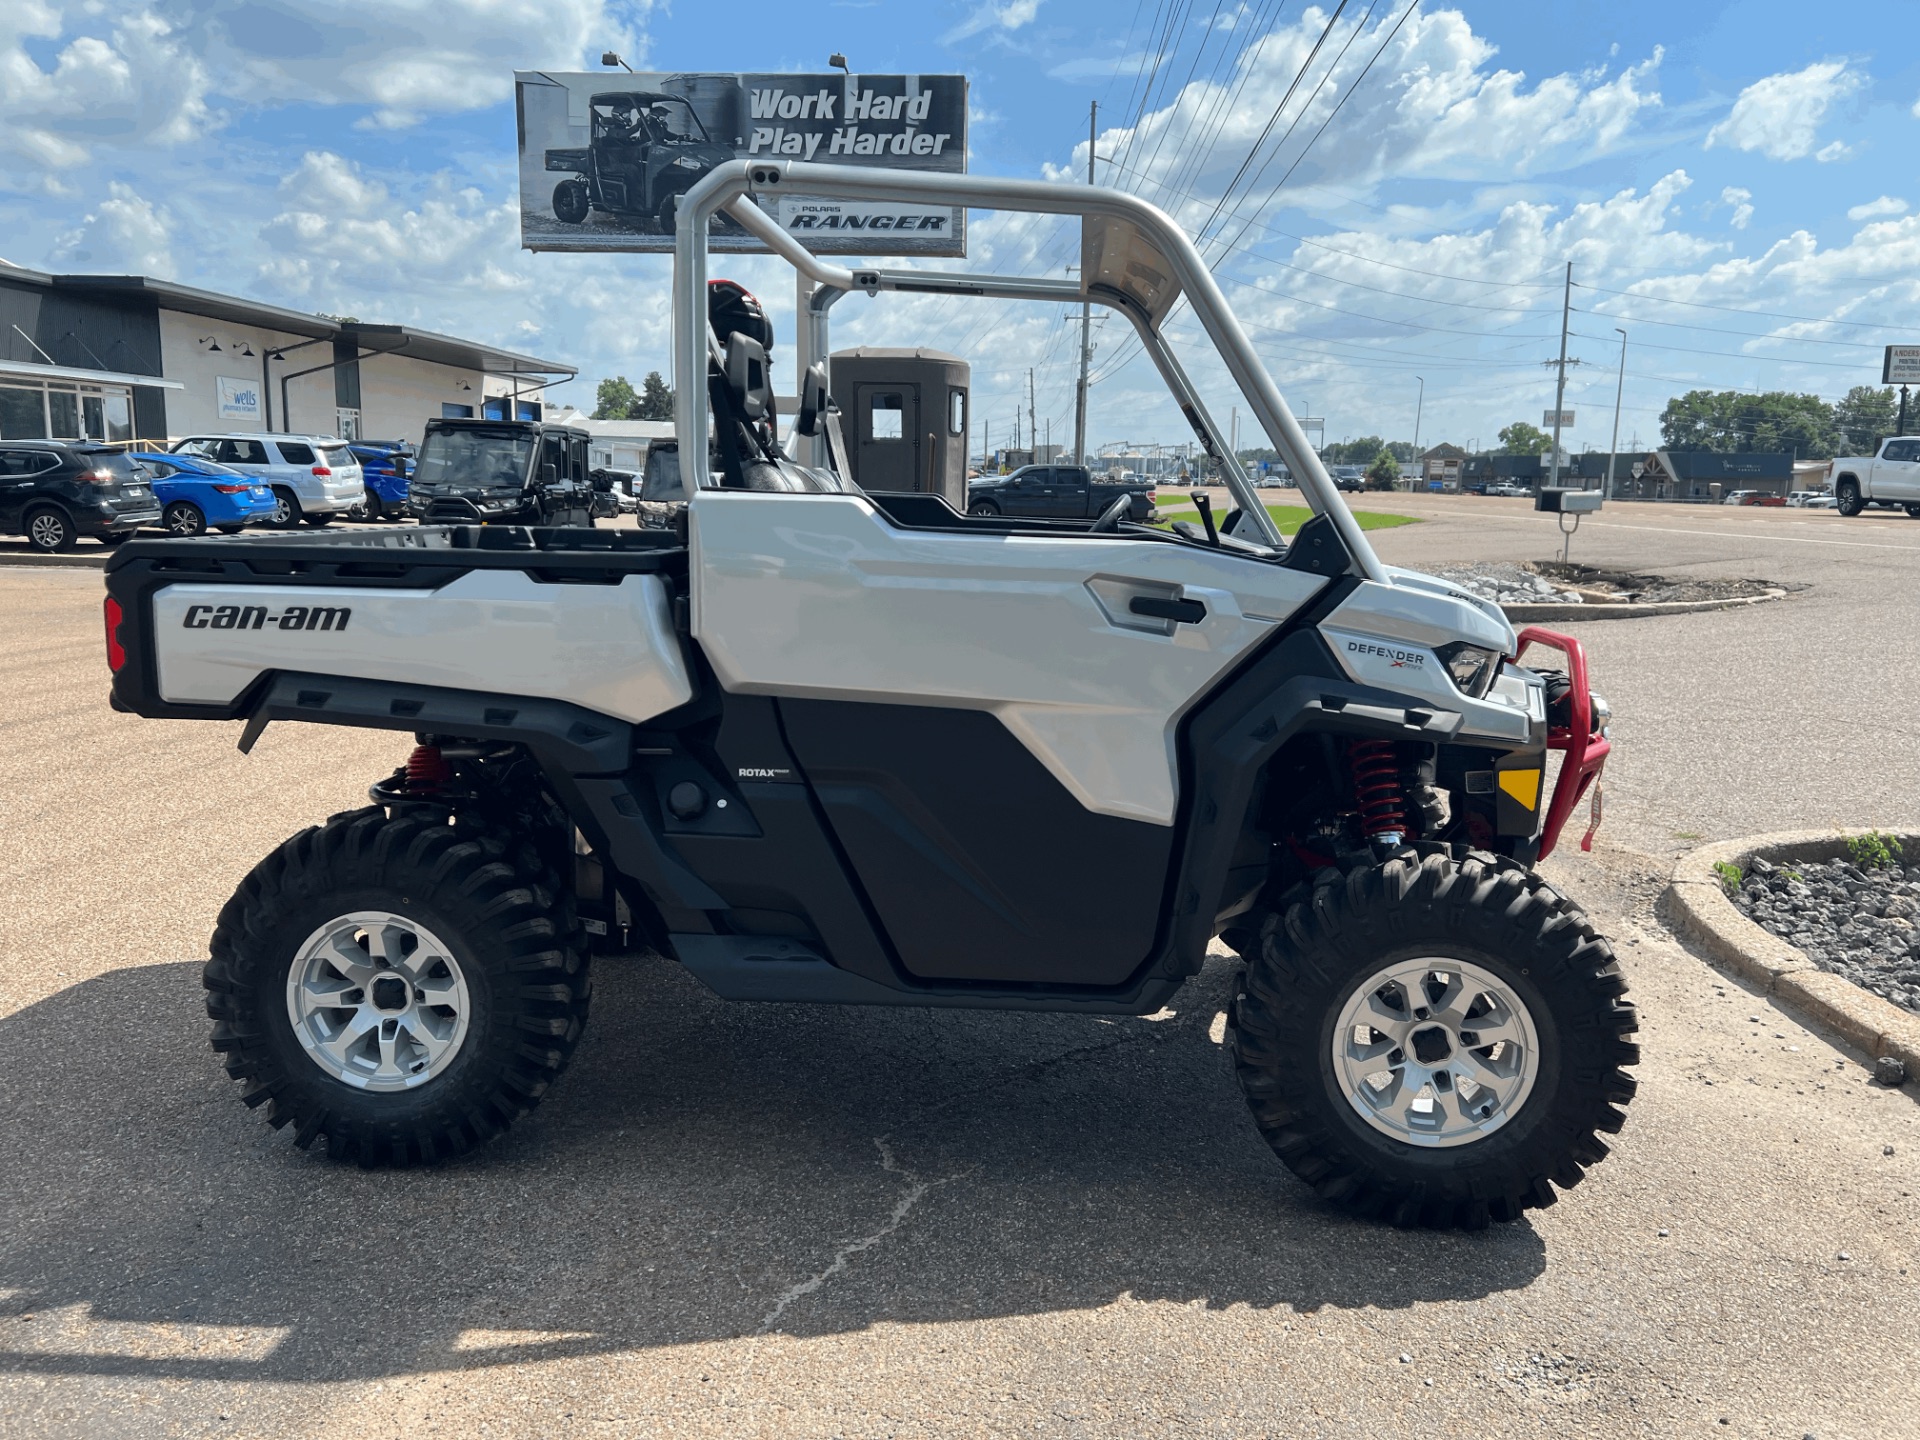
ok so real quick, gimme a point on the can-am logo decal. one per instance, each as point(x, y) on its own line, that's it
point(1400, 658)
point(255, 617)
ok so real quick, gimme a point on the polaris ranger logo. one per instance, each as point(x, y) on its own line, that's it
point(255, 617)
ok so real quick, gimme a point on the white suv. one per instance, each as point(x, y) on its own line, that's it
point(314, 477)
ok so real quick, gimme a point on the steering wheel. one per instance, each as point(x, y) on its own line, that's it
point(1110, 517)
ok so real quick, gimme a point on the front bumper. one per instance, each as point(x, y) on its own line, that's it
point(1582, 741)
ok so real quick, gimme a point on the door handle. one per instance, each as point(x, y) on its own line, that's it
point(1161, 607)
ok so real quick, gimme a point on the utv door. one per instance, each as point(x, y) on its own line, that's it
point(887, 455)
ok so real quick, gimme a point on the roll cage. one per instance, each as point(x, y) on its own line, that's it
point(1134, 260)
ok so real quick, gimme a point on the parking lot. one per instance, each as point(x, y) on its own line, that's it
point(799, 1221)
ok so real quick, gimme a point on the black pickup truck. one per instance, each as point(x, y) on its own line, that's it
point(1057, 492)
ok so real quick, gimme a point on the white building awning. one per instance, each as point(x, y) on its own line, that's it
point(20, 369)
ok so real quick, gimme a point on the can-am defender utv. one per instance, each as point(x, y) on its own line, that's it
point(820, 745)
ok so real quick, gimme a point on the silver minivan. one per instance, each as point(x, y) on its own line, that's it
point(313, 477)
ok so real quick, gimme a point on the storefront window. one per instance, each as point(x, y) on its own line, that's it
point(93, 411)
point(119, 408)
point(63, 412)
point(23, 413)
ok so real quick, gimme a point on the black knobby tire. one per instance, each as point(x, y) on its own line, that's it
point(1847, 498)
point(518, 950)
point(571, 202)
point(1476, 909)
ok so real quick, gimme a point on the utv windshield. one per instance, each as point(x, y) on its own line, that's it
point(645, 117)
point(477, 459)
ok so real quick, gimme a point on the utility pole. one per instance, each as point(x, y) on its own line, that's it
point(1086, 319)
point(1619, 388)
point(1418, 406)
point(1033, 430)
point(1560, 387)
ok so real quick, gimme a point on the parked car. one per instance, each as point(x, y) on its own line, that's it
point(1738, 497)
point(1890, 477)
point(1820, 500)
point(313, 477)
point(1055, 492)
point(1755, 497)
point(384, 468)
point(1348, 477)
point(1802, 499)
point(1508, 488)
point(196, 494)
point(55, 491)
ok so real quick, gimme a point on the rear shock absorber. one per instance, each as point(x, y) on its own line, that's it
point(427, 771)
point(1377, 789)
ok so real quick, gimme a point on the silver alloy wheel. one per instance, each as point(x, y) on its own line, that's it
point(1435, 1052)
point(282, 510)
point(48, 531)
point(378, 1001)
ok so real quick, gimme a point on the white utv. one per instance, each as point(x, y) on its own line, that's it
point(825, 746)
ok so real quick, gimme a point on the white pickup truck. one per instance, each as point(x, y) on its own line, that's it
point(1890, 478)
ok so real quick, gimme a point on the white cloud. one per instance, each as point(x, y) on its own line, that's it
point(1780, 116)
point(1873, 209)
point(1833, 150)
point(130, 83)
point(1741, 200)
point(1008, 16)
point(124, 234)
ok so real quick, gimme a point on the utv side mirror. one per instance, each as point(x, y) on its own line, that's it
point(813, 399)
point(549, 475)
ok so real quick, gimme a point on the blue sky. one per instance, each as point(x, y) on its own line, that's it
point(1744, 171)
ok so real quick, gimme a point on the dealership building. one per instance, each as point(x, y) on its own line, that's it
point(128, 357)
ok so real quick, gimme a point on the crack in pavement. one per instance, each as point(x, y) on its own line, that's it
point(917, 1189)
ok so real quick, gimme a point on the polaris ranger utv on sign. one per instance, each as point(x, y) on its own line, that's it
point(819, 745)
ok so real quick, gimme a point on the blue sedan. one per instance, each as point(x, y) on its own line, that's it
point(196, 494)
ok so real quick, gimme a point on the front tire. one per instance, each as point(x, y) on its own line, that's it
point(1847, 498)
point(983, 508)
point(395, 987)
point(1435, 1040)
point(184, 518)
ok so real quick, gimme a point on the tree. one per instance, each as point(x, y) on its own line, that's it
point(1730, 420)
point(656, 399)
point(1520, 438)
point(614, 400)
point(1383, 472)
point(1865, 417)
point(1354, 452)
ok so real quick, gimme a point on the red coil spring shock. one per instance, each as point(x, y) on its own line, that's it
point(1377, 788)
point(427, 770)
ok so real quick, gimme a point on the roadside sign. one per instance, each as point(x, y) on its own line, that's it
point(605, 157)
point(1901, 366)
point(1566, 419)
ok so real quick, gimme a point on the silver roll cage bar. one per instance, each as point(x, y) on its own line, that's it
point(1135, 260)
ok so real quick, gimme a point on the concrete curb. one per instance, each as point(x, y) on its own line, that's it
point(57, 562)
point(1698, 910)
point(1533, 614)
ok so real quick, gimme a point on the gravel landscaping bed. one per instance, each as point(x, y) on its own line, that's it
point(1551, 583)
point(1862, 924)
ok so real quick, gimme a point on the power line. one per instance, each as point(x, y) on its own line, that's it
point(1719, 330)
point(1737, 310)
point(1735, 354)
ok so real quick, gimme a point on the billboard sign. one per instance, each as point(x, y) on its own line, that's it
point(1565, 417)
point(1901, 366)
point(604, 158)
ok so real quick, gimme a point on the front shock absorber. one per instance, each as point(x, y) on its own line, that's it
point(1378, 791)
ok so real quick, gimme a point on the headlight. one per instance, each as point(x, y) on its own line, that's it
point(687, 162)
point(1471, 666)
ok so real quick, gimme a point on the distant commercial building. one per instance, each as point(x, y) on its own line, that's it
point(1443, 463)
point(128, 357)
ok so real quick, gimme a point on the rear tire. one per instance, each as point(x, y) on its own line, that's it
point(286, 512)
point(1469, 1160)
point(318, 520)
point(983, 507)
point(501, 993)
point(1847, 498)
point(1914, 511)
point(571, 202)
point(229, 529)
point(373, 507)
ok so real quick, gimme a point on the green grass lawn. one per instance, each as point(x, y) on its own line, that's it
point(1291, 517)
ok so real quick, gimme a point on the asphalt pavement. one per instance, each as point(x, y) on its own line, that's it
point(800, 1221)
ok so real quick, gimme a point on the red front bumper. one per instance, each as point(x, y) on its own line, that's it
point(1584, 753)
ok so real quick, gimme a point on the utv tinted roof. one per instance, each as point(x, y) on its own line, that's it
point(636, 97)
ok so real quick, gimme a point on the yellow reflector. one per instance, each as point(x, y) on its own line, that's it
point(1522, 785)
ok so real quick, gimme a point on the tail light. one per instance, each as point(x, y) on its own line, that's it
point(116, 652)
point(102, 477)
point(322, 471)
point(232, 489)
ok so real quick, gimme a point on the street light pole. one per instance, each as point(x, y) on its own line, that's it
point(1619, 388)
point(1560, 388)
point(1086, 318)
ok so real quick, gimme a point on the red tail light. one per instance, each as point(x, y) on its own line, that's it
point(322, 470)
point(116, 652)
point(231, 489)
